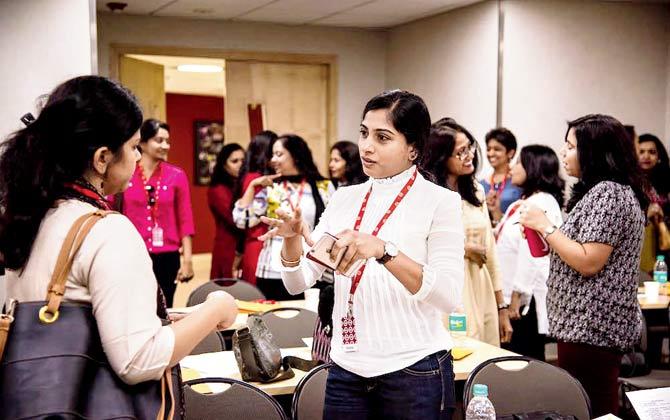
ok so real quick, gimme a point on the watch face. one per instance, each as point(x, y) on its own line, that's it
point(391, 249)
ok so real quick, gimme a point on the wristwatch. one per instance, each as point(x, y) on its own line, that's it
point(390, 252)
point(502, 306)
point(549, 230)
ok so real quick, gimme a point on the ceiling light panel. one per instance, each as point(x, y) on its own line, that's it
point(300, 11)
point(211, 9)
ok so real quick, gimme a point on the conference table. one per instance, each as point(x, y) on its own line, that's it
point(223, 364)
point(661, 302)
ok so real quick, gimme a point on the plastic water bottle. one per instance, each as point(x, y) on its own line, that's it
point(480, 408)
point(458, 323)
point(661, 270)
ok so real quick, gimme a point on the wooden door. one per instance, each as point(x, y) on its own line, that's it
point(295, 98)
point(147, 81)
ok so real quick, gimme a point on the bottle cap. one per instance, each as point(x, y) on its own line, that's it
point(480, 390)
point(660, 258)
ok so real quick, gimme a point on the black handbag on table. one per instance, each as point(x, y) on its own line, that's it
point(259, 357)
point(52, 363)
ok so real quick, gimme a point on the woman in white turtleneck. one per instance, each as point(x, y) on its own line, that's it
point(393, 360)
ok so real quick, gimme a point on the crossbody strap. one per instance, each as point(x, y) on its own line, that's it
point(73, 241)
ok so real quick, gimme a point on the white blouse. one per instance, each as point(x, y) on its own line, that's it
point(521, 272)
point(394, 328)
point(113, 272)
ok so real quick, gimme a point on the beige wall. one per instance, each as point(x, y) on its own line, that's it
point(361, 54)
point(43, 43)
point(450, 60)
point(564, 59)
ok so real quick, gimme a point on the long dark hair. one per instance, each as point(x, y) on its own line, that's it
point(220, 175)
point(80, 116)
point(659, 176)
point(304, 163)
point(257, 157)
point(353, 169)
point(440, 147)
point(150, 129)
point(542, 172)
point(605, 153)
point(409, 115)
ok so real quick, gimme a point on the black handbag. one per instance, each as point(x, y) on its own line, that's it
point(53, 364)
point(259, 357)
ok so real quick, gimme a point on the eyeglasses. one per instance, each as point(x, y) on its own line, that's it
point(464, 153)
point(151, 195)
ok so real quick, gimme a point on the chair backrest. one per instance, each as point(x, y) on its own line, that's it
point(527, 386)
point(239, 289)
point(240, 401)
point(289, 332)
point(212, 342)
point(310, 394)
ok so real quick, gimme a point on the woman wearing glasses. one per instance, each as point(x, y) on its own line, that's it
point(452, 158)
point(158, 202)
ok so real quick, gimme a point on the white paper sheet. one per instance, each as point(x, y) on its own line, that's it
point(651, 404)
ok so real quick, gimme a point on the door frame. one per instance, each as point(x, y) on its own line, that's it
point(329, 60)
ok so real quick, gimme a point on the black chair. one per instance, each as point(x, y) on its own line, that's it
point(656, 378)
point(240, 401)
point(529, 386)
point(310, 394)
point(239, 289)
point(212, 343)
point(289, 332)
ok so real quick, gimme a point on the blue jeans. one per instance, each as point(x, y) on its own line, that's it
point(423, 391)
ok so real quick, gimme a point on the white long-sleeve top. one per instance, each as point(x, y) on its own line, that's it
point(394, 328)
point(521, 272)
point(113, 272)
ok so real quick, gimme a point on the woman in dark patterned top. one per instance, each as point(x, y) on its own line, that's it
point(592, 299)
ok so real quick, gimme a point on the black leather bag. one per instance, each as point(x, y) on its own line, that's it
point(259, 357)
point(53, 364)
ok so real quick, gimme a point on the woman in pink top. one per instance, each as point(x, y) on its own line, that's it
point(158, 202)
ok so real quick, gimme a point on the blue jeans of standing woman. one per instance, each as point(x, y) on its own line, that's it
point(423, 391)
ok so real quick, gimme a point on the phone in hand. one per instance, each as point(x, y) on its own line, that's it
point(320, 253)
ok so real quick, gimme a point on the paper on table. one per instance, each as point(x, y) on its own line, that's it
point(308, 341)
point(651, 404)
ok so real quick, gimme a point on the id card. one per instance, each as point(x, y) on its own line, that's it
point(157, 236)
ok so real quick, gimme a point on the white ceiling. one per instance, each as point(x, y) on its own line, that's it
point(208, 84)
point(345, 13)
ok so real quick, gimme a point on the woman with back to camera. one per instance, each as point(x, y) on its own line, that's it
point(524, 276)
point(452, 158)
point(253, 176)
point(345, 164)
point(158, 202)
point(390, 351)
point(653, 159)
point(225, 255)
point(297, 183)
point(500, 191)
point(592, 299)
point(82, 147)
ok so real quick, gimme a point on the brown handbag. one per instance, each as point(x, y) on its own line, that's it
point(52, 363)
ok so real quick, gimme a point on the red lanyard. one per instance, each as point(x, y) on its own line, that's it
point(500, 227)
point(153, 208)
point(93, 195)
point(301, 190)
point(498, 191)
point(359, 274)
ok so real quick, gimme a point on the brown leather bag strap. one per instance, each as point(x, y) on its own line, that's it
point(73, 241)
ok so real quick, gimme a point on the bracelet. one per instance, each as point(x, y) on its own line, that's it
point(287, 263)
point(502, 306)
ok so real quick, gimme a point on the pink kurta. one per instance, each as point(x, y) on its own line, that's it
point(172, 209)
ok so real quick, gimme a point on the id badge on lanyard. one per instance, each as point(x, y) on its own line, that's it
point(349, 339)
point(157, 236)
